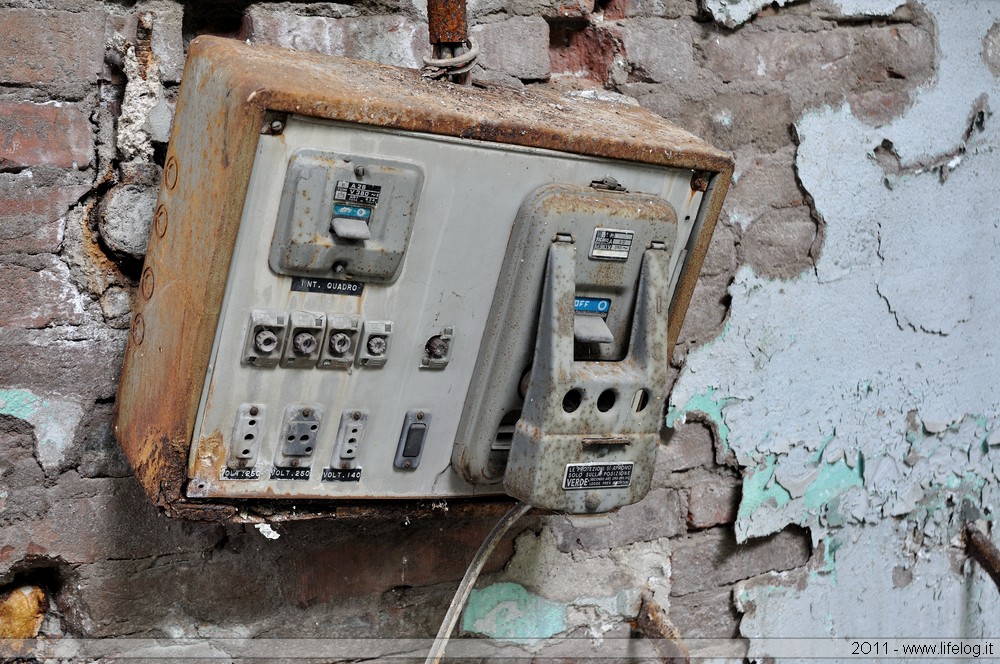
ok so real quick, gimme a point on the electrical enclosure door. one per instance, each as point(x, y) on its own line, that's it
point(364, 279)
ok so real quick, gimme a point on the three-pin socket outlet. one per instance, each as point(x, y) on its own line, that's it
point(247, 433)
point(300, 429)
point(350, 437)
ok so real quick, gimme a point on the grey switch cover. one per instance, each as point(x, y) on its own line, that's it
point(345, 215)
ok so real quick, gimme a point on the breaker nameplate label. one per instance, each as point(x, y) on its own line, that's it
point(341, 474)
point(329, 286)
point(357, 192)
point(610, 244)
point(597, 476)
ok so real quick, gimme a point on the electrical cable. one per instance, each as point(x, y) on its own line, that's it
point(469, 580)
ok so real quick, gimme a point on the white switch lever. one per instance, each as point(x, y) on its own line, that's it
point(351, 229)
point(591, 330)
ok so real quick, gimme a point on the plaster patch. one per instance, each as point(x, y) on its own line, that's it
point(732, 13)
point(55, 421)
point(509, 612)
point(868, 7)
point(615, 578)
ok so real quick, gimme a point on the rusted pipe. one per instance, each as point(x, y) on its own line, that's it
point(452, 53)
point(654, 624)
point(446, 22)
point(983, 551)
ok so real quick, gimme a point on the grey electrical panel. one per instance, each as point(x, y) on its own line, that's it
point(402, 326)
point(362, 284)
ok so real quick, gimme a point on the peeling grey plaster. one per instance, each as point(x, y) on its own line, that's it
point(732, 13)
point(856, 397)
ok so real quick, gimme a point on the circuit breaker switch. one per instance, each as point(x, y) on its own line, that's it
point(591, 330)
point(351, 229)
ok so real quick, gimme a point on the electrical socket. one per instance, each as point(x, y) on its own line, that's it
point(245, 443)
point(300, 430)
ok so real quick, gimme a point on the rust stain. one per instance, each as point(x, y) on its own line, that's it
point(446, 21)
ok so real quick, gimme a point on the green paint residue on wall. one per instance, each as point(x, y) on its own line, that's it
point(759, 489)
point(822, 447)
point(508, 611)
point(706, 403)
point(21, 404)
point(834, 479)
point(829, 568)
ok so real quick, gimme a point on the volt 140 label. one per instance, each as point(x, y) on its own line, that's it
point(341, 474)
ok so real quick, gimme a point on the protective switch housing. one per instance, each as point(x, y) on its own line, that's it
point(362, 284)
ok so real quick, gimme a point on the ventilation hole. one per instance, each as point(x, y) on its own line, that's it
point(572, 400)
point(640, 401)
point(606, 401)
point(249, 436)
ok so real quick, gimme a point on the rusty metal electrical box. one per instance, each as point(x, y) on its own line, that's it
point(362, 285)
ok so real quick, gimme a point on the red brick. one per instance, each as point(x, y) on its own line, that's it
point(44, 134)
point(41, 47)
point(778, 56)
point(36, 299)
point(585, 53)
point(712, 500)
point(391, 40)
point(30, 216)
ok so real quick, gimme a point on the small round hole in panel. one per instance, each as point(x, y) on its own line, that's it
point(572, 400)
point(640, 400)
point(606, 401)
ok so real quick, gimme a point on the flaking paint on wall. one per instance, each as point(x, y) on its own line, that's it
point(854, 394)
point(55, 421)
point(509, 611)
point(732, 13)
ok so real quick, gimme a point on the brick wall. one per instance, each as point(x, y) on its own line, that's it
point(86, 93)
